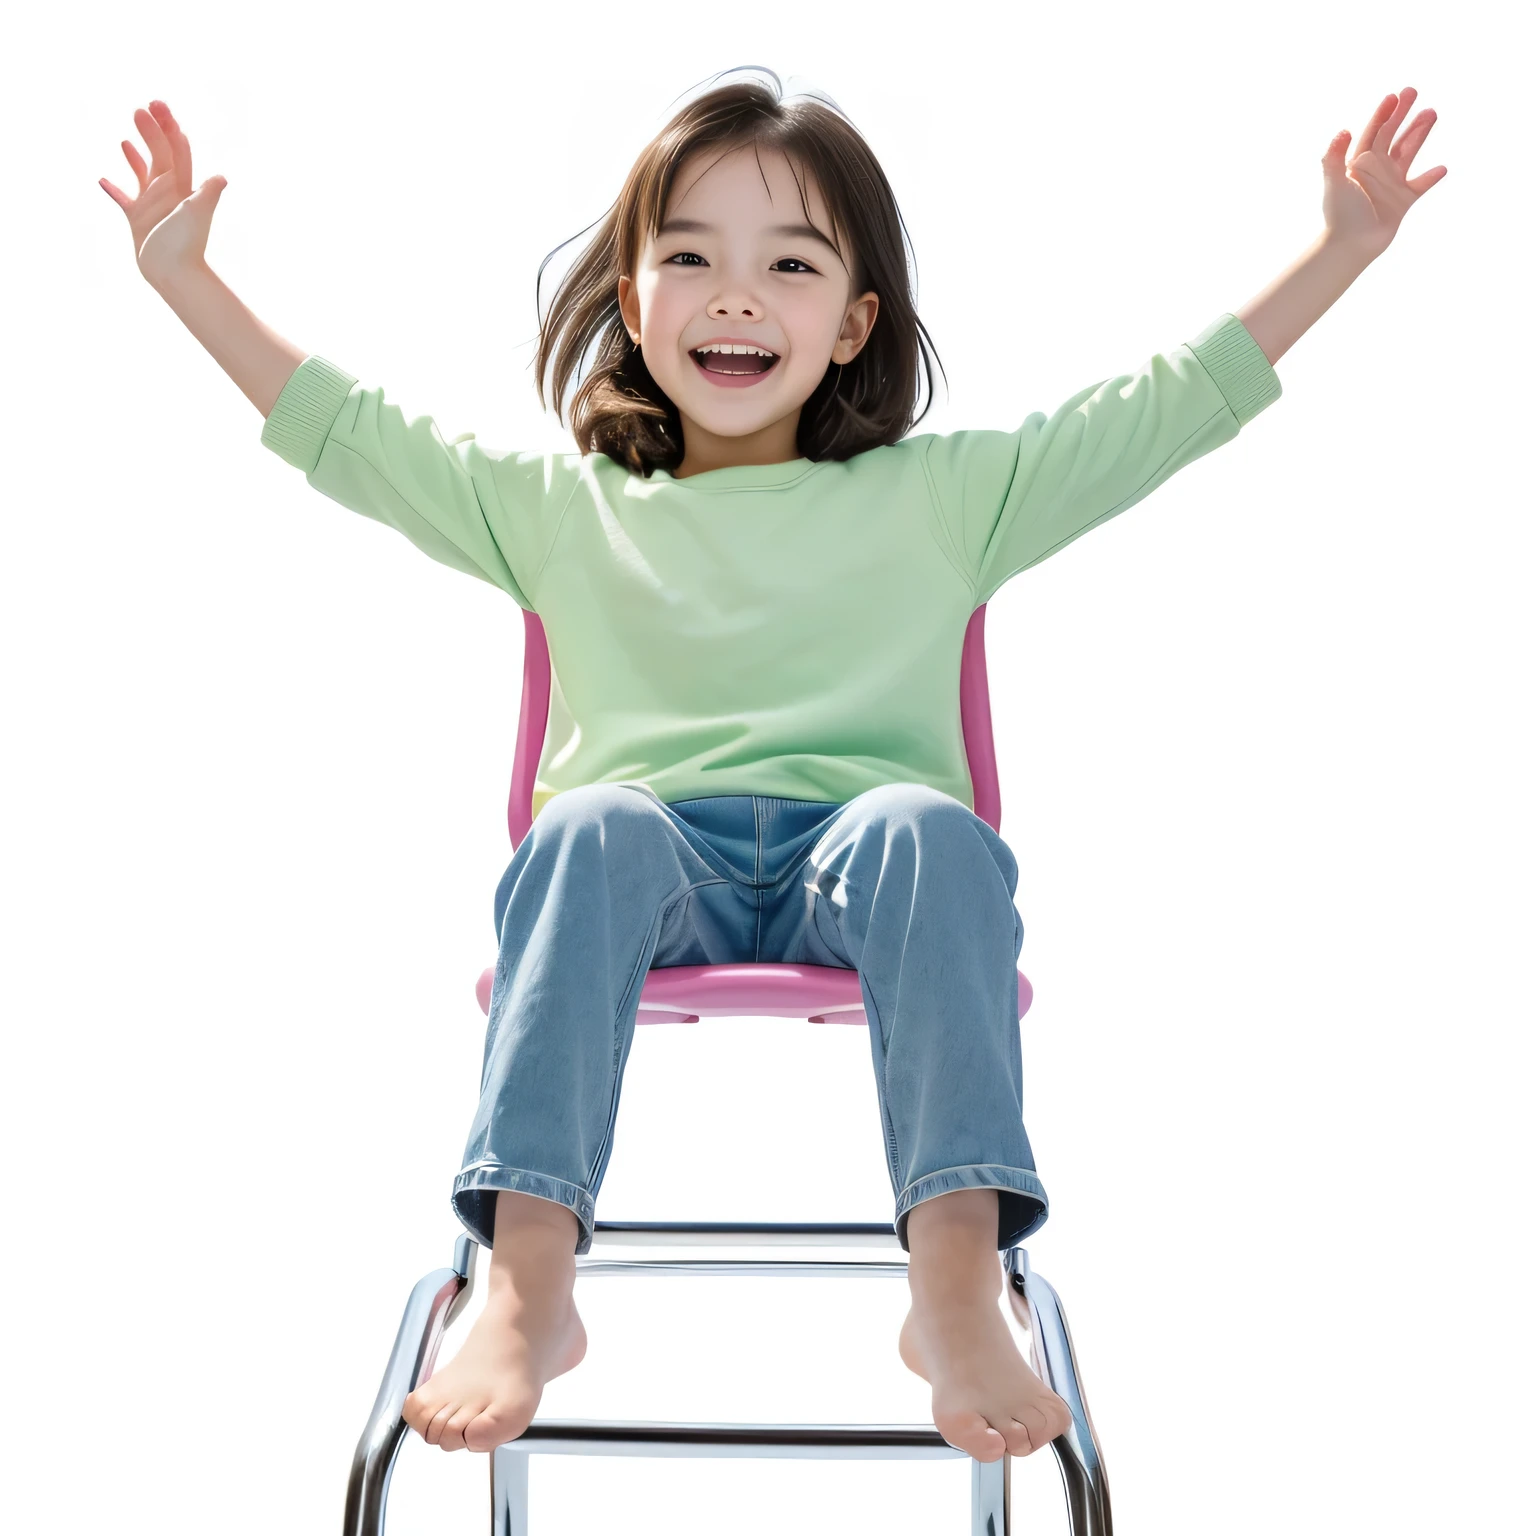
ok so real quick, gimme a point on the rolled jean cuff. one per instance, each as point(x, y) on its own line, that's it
point(474, 1199)
point(1022, 1204)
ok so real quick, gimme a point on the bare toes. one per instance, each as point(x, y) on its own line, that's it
point(1019, 1437)
point(970, 1432)
point(439, 1424)
point(452, 1437)
point(495, 1426)
point(1055, 1420)
point(418, 1410)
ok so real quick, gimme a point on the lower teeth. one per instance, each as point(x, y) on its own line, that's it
point(738, 373)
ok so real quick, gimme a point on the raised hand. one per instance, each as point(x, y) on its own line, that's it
point(168, 220)
point(1365, 198)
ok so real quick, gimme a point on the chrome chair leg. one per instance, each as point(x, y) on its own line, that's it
point(990, 1496)
point(509, 1490)
point(436, 1300)
point(1037, 1306)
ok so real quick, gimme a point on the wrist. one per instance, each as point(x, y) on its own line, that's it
point(179, 277)
point(1359, 250)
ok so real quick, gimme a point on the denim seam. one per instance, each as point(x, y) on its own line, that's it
point(835, 943)
point(618, 1038)
point(885, 1082)
point(707, 855)
point(893, 1151)
point(757, 876)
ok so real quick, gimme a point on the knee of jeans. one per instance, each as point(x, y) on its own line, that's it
point(934, 814)
point(919, 804)
point(595, 805)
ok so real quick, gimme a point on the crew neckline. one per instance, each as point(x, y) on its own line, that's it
point(739, 476)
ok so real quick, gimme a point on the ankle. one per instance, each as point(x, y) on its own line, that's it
point(947, 1279)
point(952, 1243)
point(528, 1220)
point(954, 1273)
point(535, 1244)
point(518, 1277)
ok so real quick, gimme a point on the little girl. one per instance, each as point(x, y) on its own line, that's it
point(755, 587)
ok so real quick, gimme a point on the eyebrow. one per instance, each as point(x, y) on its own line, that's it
point(696, 227)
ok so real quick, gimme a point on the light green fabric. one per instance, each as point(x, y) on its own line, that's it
point(791, 629)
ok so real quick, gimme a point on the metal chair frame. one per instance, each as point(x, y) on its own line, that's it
point(684, 994)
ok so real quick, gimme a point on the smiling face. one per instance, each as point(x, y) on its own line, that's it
point(735, 259)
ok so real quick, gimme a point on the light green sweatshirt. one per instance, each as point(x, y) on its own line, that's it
point(786, 629)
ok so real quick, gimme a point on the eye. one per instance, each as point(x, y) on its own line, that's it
point(797, 261)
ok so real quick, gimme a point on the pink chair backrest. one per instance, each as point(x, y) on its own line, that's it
point(533, 717)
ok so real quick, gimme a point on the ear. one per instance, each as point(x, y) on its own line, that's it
point(629, 307)
point(860, 321)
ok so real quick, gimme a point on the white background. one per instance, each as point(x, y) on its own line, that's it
point(1261, 744)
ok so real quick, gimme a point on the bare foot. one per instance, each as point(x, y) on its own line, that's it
point(986, 1399)
point(489, 1392)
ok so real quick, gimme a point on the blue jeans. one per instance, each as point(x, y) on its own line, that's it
point(903, 883)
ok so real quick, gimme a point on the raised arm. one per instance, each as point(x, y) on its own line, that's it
point(250, 352)
point(1364, 200)
point(169, 223)
point(494, 516)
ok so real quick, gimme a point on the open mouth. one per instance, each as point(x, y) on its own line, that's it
point(734, 365)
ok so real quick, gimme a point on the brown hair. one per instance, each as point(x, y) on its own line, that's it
point(619, 409)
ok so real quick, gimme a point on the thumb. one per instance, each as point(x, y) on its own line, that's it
point(216, 183)
point(1333, 160)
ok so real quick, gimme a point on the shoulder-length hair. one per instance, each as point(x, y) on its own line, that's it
point(619, 409)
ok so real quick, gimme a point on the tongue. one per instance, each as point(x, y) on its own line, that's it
point(734, 362)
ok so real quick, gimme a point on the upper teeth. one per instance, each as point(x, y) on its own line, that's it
point(734, 346)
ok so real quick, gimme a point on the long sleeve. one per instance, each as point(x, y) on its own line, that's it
point(491, 516)
point(1008, 500)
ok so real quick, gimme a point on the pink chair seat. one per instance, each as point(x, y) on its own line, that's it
point(683, 994)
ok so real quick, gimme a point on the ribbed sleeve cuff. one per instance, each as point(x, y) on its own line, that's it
point(302, 417)
point(1228, 352)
